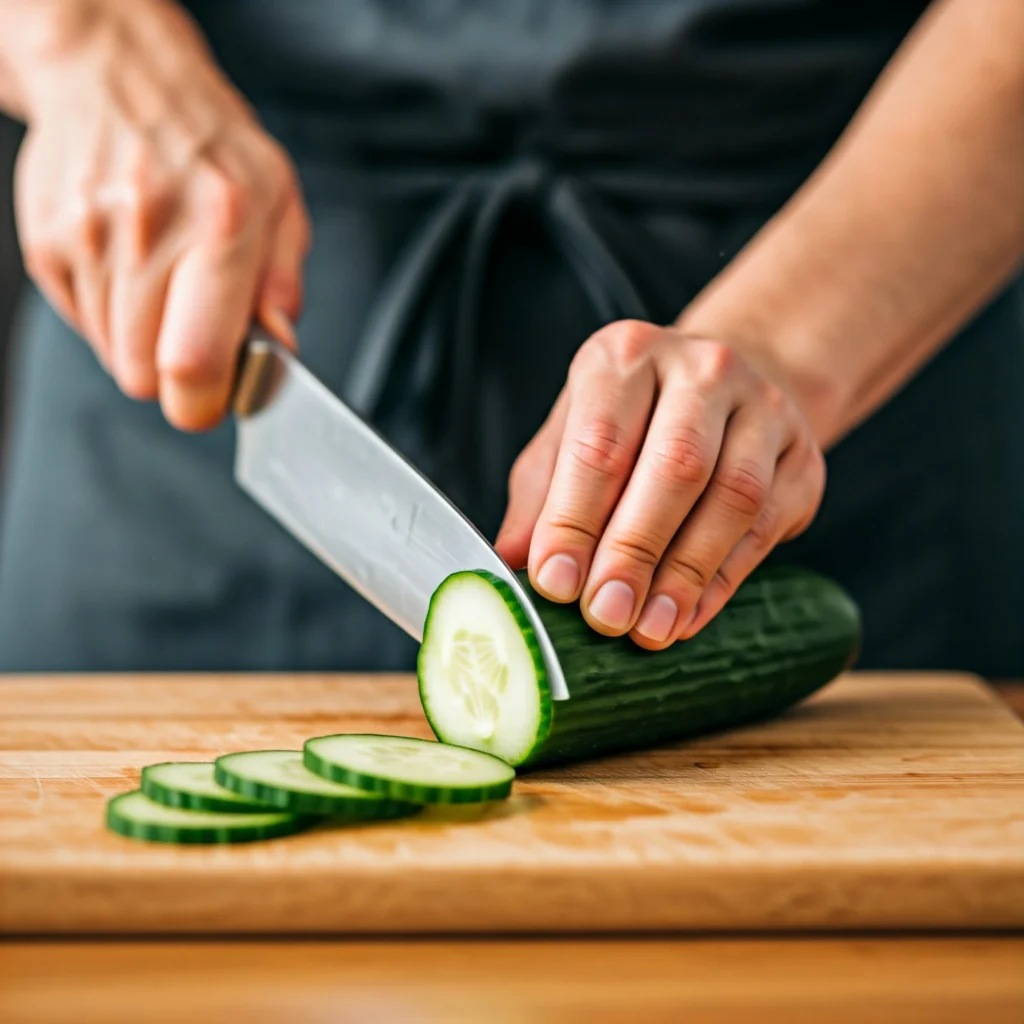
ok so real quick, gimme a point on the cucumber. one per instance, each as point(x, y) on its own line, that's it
point(136, 816)
point(403, 768)
point(279, 778)
point(191, 785)
point(784, 633)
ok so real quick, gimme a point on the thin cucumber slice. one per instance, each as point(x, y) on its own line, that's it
point(409, 769)
point(136, 816)
point(191, 785)
point(279, 778)
point(481, 672)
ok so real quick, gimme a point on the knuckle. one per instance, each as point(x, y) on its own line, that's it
point(143, 195)
point(230, 202)
point(600, 448)
point(688, 571)
point(143, 207)
point(742, 488)
point(764, 529)
point(714, 361)
point(574, 529)
point(588, 358)
point(629, 341)
point(680, 460)
point(635, 548)
point(774, 399)
point(192, 362)
point(138, 177)
point(88, 229)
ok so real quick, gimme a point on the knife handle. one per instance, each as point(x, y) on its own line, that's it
point(260, 371)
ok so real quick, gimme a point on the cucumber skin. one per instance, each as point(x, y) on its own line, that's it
point(785, 633)
point(207, 836)
point(339, 808)
point(161, 794)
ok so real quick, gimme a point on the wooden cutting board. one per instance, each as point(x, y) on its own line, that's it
point(883, 802)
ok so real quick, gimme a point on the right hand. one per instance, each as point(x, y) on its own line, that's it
point(154, 212)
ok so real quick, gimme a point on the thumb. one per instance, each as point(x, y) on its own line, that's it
point(528, 485)
point(280, 296)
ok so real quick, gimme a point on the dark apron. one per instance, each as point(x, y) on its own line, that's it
point(490, 182)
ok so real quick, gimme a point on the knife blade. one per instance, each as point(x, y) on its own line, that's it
point(355, 502)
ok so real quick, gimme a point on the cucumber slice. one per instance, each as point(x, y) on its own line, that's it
point(279, 778)
point(409, 769)
point(191, 785)
point(136, 816)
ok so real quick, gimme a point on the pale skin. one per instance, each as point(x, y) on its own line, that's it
point(160, 219)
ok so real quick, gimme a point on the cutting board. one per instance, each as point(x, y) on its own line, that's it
point(885, 801)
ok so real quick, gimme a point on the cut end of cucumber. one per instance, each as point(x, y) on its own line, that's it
point(481, 673)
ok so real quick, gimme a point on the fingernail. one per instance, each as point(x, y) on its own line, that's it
point(559, 577)
point(658, 619)
point(689, 622)
point(613, 604)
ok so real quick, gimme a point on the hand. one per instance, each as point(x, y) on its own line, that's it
point(153, 210)
point(667, 470)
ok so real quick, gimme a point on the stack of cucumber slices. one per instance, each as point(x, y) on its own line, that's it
point(262, 794)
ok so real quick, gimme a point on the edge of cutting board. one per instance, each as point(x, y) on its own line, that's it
point(969, 885)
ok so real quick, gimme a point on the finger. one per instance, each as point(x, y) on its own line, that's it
point(52, 274)
point(145, 250)
point(91, 292)
point(280, 295)
point(674, 466)
point(607, 413)
point(137, 306)
point(735, 496)
point(790, 508)
point(44, 255)
point(529, 483)
point(210, 298)
point(91, 282)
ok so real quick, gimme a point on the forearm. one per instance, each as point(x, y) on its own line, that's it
point(21, 22)
point(910, 225)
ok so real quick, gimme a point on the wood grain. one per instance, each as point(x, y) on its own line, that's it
point(640, 981)
point(884, 802)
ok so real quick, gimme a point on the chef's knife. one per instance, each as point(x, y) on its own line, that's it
point(346, 494)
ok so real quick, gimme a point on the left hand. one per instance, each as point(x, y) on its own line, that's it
point(668, 469)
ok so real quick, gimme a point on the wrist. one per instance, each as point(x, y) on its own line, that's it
point(65, 49)
point(42, 39)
